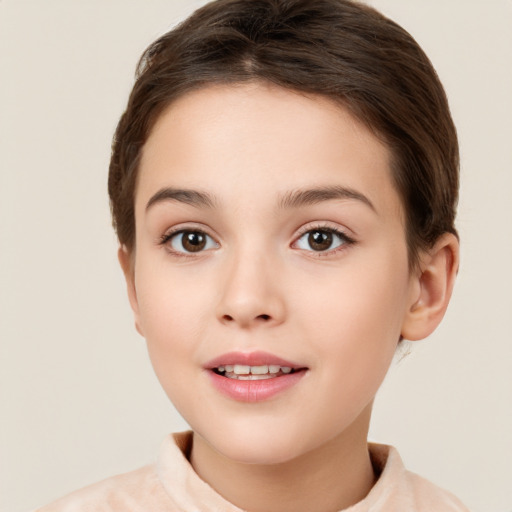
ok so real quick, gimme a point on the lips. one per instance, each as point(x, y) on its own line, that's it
point(253, 377)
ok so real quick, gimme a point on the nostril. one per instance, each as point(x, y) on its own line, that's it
point(245, 320)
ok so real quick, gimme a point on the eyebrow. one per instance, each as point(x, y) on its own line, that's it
point(191, 197)
point(298, 198)
point(292, 199)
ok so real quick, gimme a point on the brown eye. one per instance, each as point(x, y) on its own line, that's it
point(322, 240)
point(191, 241)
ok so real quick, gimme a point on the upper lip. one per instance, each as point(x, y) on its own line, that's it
point(258, 358)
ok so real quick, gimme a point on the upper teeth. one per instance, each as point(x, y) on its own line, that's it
point(241, 369)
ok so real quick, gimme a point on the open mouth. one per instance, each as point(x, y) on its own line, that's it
point(246, 372)
point(254, 376)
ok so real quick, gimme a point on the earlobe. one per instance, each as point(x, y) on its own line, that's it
point(126, 261)
point(432, 288)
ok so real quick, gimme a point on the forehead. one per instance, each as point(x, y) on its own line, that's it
point(233, 139)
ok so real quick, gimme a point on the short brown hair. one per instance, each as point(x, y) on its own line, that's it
point(339, 49)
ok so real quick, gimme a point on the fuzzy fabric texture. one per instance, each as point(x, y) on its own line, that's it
point(171, 485)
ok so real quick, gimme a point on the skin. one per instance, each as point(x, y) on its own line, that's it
point(259, 285)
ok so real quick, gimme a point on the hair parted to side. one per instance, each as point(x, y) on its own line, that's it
point(339, 49)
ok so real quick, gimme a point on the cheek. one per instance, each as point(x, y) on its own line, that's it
point(170, 300)
point(354, 317)
point(172, 312)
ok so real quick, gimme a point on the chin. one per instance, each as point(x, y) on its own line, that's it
point(259, 453)
point(256, 444)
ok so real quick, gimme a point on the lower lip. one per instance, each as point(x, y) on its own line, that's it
point(254, 390)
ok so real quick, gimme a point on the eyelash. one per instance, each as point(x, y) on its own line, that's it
point(345, 240)
point(166, 238)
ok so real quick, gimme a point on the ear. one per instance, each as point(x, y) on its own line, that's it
point(126, 261)
point(433, 285)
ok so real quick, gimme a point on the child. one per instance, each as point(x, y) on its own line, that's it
point(283, 185)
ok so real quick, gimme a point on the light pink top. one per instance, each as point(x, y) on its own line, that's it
point(172, 486)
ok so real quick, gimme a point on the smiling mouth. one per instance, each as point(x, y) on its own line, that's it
point(252, 377)
point(246, 372)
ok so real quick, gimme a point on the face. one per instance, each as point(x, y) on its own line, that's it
point(270, 276)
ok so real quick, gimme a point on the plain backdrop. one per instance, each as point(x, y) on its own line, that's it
point(79, 401)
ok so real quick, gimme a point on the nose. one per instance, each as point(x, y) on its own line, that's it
point(251, 293)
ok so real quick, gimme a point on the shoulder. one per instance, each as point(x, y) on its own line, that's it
point(398, 489)
point(169, 485)
point(136, 491)
point(428, 496)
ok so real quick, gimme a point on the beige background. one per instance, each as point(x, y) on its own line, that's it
point(79, 401)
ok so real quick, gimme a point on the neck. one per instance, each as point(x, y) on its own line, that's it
point(332, 477)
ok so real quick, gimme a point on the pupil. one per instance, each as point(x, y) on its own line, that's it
point(194, 241)
point(320, 240)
